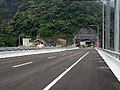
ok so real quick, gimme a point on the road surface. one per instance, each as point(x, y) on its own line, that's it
point(81, 69)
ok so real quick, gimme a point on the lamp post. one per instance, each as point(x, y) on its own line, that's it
point(19, 38)
point(74, 41)
point(97, 32)
point(103, 34)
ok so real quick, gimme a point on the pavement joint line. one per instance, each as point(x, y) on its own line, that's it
point(65, 72)
point(51, 57)
point(19, 65)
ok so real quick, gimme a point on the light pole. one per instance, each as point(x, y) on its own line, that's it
point(19, 38)
point(97, 32)
point(74, 37)
point(103, 34)
point(74, 40)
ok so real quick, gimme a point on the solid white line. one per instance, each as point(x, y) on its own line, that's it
point(51, 57)
point(66, 71)
point(22, 64)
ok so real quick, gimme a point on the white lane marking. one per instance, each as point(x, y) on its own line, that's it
point(65, 72)
point(102, 61)
point(104, 68)
point(51, 57)
point(22, 64)
point(64, 54)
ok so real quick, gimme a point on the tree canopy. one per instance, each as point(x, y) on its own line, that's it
point(51, 18)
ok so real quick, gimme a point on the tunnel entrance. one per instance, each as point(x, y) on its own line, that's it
point(86, 37)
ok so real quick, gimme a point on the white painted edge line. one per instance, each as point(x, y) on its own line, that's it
point(51, 57)
point(21, 64)
point(65, 72)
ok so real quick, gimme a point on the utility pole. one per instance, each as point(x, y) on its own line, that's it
point(116, 29)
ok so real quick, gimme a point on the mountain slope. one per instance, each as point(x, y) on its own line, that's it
point(52, 19)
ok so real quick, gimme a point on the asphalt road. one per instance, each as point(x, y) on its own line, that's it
point(81, 69)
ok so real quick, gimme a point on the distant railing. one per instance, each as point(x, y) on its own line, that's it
point(112, 53)
point(17, 48)
point(112, 60)
point(27, 48)
point(16, 51)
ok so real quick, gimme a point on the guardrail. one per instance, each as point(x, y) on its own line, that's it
point(18, 48)
point(27, 48)
point(14, 52)
point(112, 60)
point(112, 53)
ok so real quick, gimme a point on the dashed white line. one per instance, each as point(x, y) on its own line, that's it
point(64, 54)
point(66, 71)
point(104, 68)
point(51, 57)
point(102, 61)
point(21, 64)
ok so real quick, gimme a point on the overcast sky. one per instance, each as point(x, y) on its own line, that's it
point(112, 2)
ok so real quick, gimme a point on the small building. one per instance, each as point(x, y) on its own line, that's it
point(26, 41)
point(38, 42)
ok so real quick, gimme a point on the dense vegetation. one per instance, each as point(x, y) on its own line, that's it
point(51, 19)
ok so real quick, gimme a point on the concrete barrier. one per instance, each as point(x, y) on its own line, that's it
point(7, 54)
point(112, 62)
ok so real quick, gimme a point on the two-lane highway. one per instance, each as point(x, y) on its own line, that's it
point(80, 69)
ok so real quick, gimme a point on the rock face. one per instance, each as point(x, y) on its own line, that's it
point(62, 42)
point(86, 31)
point(86, 34)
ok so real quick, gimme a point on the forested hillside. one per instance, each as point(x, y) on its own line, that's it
point(51, 19)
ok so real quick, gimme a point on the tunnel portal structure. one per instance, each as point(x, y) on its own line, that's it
point(86, 37)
